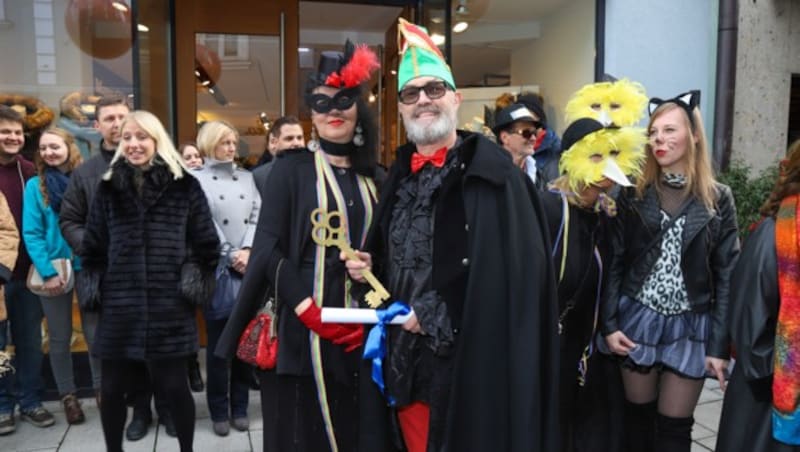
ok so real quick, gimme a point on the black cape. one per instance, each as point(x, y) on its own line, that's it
point(746, 423)
point(491, 263)
point(591, 416)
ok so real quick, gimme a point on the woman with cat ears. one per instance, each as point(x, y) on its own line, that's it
point(665, 303)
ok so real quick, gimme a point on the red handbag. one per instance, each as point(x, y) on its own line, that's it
point(258, 344)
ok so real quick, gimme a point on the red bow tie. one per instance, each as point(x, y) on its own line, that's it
point(437, 159)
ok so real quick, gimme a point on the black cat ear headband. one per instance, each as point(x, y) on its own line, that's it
point(688, 101)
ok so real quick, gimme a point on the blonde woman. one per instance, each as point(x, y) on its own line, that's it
point(235, 203)
point(665, 304)
point(150, 250)
point(56, 157)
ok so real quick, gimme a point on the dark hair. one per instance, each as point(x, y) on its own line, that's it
point(788, 182)
point(9, 114)
point(107, 101)
point(533, 102)
point(365, 158)
point(275, 130)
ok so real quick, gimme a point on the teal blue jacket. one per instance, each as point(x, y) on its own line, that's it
point(41, 232)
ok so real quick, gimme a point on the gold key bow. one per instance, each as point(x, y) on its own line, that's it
point(325, 233)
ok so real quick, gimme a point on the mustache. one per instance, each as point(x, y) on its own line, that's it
point(425, 109)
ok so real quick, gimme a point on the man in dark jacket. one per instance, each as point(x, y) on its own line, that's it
point(24, 308)
point(547, 149)
point(457, 230)
point(110, 111)
point(286, 133)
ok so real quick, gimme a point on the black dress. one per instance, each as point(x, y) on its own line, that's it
point(591, 413)
point(284, 232)
point(746, 423)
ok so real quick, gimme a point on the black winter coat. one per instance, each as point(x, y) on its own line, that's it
point(135, 248)
point(78, 198)
point(491, 265)
point(709, 252)
point(746, 423)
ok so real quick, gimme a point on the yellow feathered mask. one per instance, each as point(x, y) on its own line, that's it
point(593, 152)
point(620, 103)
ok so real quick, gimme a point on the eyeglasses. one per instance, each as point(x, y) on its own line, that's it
point(322, 103)
point(434, 90)
point(526, 133)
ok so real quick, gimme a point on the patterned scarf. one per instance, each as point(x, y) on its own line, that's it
point(786, 382)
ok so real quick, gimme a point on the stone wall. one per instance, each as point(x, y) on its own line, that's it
point(767, 56)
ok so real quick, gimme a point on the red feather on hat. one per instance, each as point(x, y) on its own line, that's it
point(360, 67)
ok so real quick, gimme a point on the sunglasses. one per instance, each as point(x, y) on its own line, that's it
point(342, 101)
point(434, 90)
point(526, 133)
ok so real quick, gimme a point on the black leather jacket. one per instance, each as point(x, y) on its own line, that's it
point(709, 252)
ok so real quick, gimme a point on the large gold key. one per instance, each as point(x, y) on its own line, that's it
point(328, 230)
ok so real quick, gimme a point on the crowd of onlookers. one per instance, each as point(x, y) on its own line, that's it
point(560, 293)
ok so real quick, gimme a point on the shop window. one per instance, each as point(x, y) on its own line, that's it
point(58, 56)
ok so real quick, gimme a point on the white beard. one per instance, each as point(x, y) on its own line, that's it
point(434, 132)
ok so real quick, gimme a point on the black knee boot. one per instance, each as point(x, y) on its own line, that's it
point(673, 434)
point(640, 425)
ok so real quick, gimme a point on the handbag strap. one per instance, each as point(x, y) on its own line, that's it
point(657, 238)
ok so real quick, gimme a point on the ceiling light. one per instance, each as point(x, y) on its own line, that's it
point(393, 72)
point(462, 7)
point(436, 19)
point(197, 73)
point(206, 82)
point(371, 98)
point(303, 49)
point(120, 6)
point(143, 28)
point(211, 90)
point(460, 27)
point(437, 39)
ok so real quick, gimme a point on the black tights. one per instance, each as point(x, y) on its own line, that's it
point(168, 377)
point(673, 397)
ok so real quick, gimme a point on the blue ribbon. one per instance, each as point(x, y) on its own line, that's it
point(375, 347)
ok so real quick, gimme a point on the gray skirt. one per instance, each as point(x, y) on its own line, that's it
point(676, 342)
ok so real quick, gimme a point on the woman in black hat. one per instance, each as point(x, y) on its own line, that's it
point(311, 400)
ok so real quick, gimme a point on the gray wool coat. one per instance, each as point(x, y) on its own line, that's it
point(233, 199)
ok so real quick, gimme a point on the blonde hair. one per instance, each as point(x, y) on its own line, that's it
point(211, 134)
point(700, 181)
point(74, 158)
point(164, 147)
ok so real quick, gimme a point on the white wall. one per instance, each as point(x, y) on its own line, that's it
point(561, 60)
point(667, 46)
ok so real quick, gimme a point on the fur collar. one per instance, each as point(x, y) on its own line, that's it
point(154, 181)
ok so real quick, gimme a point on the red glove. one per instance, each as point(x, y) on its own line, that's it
point(351, 335)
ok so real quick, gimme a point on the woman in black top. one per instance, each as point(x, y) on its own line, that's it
point(316, 393)
point(665, 305)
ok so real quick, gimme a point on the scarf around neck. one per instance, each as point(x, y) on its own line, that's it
point(786, 381)
point(56, 183)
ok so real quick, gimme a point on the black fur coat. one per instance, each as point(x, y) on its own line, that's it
point(149, 256)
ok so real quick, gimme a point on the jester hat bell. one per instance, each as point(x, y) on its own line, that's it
point(419, 56)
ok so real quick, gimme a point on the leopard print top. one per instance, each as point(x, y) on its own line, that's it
point(664, 290)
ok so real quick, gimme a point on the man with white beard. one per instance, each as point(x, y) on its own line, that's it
point(460, 236)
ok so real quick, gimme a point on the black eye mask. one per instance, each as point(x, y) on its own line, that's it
point(342, 101)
